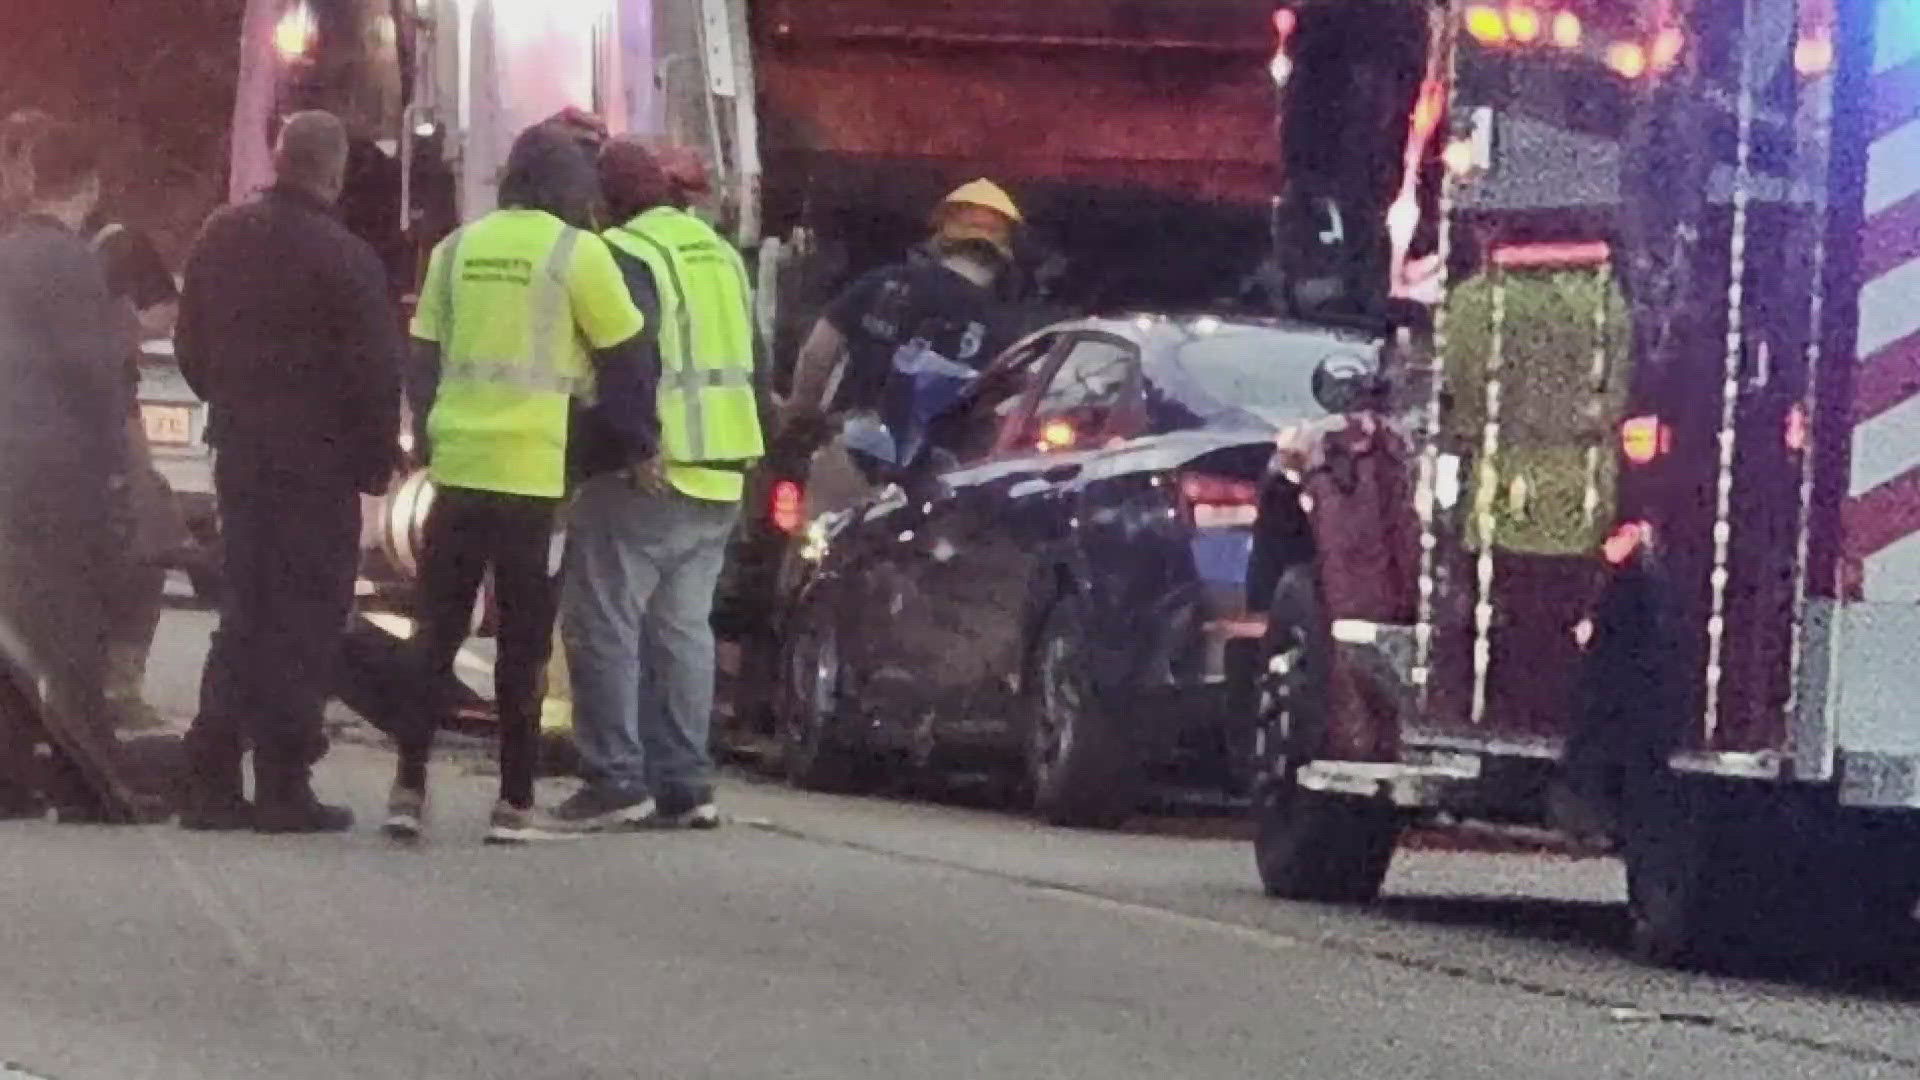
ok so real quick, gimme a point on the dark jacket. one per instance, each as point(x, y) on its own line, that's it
point(623, 423)
point(63, 347)
point(63, 445)
point(288, 332)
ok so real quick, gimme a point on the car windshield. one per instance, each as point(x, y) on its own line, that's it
point(1242, 375)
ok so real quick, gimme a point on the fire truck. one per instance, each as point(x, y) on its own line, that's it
point(1654, 266)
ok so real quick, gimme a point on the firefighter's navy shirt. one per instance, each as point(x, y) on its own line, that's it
point(896, 305)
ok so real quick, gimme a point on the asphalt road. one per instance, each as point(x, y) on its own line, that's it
point(846, 938)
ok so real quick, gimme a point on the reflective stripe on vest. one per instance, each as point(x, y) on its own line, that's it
point(541, 373)
point(686, 381)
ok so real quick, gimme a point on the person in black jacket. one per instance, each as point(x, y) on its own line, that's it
point(287, 331)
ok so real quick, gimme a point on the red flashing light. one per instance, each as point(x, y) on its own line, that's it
point(1626, 540)
point(784, 506)
point(1797, 428)
point(1285, 22)
point(1645, 439)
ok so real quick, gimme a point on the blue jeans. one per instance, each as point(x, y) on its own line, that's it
point(635, 600)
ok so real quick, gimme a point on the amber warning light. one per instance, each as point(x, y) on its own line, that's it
point(1644, 439)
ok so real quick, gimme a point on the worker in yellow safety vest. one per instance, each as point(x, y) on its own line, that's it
point(523, 315)
point(645, 545)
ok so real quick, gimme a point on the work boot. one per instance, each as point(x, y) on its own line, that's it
point(214, 797)
point(207, 810)
point(284, 803)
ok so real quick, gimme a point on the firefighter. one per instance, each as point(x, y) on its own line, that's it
point(522, 313)
point(911, 333)
point(645, 544)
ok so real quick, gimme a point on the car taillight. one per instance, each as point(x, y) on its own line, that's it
point(1215, 502)
point(784, 506)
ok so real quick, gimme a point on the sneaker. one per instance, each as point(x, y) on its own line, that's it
point(694, 810)
point(598, 809)
point(512, 825)
point(406, 813)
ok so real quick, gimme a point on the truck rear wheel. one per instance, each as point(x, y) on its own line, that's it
point(1308, 845)
point(1722, 872)
point(1332, 849)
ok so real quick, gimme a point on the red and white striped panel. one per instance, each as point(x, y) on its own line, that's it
point(1883, 510)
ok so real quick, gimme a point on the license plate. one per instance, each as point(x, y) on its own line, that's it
point(168, 425)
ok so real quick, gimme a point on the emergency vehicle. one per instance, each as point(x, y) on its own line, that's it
point(1668, 580)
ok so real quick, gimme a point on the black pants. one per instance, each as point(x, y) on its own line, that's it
point(467, 533)
point(56, 566)
point(291, 549)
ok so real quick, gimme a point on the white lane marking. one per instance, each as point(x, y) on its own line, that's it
point(10, 1071)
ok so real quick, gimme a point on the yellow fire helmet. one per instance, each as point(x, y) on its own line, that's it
point(979, 210)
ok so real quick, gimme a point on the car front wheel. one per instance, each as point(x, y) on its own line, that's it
point(1083, 765)
point(818, 753)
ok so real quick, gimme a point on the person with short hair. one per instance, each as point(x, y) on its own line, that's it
point(646, 541)
point(63, 477)
point(288, 332)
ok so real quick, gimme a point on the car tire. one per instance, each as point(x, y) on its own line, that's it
point(1084, 767)
point(1308, 845)
point(817, 752)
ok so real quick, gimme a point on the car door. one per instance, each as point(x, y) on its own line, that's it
point(900, 644)
point(995, 534)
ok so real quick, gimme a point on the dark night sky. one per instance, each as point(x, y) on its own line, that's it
point(156, 79)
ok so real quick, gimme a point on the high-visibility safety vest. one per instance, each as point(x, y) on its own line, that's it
point(516, 300)
point(709, 418)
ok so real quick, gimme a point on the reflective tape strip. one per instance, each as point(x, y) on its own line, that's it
point(519, 374)
point(541, 373)
point(696, 409)
point(550, 304)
